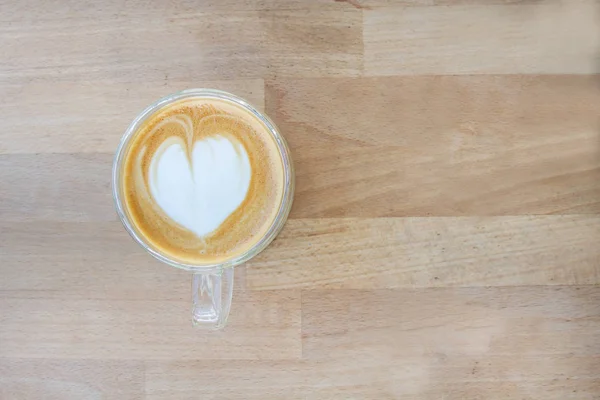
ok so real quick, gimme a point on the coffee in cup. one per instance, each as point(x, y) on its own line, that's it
point(203, 180)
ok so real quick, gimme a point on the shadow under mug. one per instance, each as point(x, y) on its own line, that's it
point(212, 284)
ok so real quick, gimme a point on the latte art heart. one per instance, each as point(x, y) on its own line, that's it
point(203, 181)
point(202, 195)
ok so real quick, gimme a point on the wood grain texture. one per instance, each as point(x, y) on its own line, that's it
point(71, 380)
point(31, 190)
point(432, 376)
point(266, 326)
point(443, 242)
point(183, 43)
point(549, 37)
point(88, 120)
point(456, 343)
point(442, 145)
point(430, 252)
point(530, 342)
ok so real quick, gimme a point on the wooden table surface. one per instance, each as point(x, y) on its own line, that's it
point(445, 237)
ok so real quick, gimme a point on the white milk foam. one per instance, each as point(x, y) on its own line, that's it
point(200, 197)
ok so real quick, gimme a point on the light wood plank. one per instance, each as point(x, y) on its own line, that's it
point(529, 342)
point(183, 43)
point(431, 376)
point(416, 379)
point(69, 304)
point(541, 37)
point(82, 261)
point(56, 187)
point(454, 145)
point(72, 10)
point(70, 379)
point(255, 379)
point(261, 326)
point(94, 115)
point(523, 321)
point(430, 252)
point(374, 4)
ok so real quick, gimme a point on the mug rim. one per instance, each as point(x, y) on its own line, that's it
point(288, 169)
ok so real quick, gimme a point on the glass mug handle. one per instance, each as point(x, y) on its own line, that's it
point(212, 291)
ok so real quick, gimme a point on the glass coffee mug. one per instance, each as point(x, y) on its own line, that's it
point(212, 284)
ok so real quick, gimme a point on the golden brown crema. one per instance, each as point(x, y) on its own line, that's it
point(202, 180)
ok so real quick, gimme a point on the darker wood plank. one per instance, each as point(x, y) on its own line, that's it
point(184, 42)
point(33, 10)
point(430, 252)
point(441, 145)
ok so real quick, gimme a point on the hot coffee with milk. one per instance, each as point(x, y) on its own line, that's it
point(203, 180)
